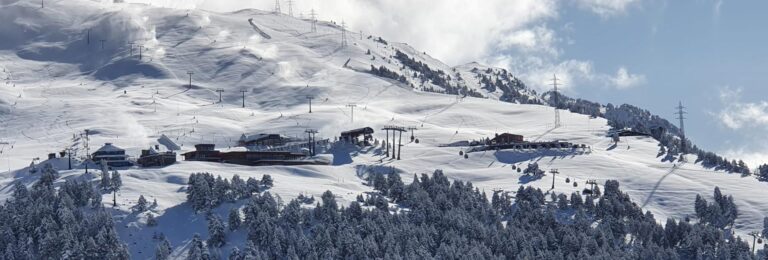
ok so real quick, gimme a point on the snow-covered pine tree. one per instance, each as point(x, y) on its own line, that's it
point(151, 220)
point(141, 204)
point(234, 219)
point(163, 248)
point(217, 235)
point(267, 181)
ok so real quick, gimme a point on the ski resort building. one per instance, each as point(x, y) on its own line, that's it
point(114, 156)
point(262, 140)
point(506, 138)
point(353, 136)
point(152, 158)
point(206, 152)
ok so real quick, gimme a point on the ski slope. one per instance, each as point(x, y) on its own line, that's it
point(56, 84)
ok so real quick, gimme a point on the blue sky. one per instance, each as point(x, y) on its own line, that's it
point(709, 54)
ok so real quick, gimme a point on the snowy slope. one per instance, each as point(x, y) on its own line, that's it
point(56, 85)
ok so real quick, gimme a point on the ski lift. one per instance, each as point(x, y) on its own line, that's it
point(568, 180)
point(461, 152)
point(518, 170)
point(514, 167)
point(587, 191)
point(759, 240)
point(466, 156)
point(575, 184)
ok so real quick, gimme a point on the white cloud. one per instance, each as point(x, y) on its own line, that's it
point(625, 80)
point(737, 114)
point(606, 8)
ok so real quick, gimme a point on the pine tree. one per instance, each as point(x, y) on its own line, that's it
point(117, 182)
point(267, 181)
point(151, 220)
point(216, 232)
point(163, 249)
point(234, 219)
point(106, 181)
point(141, 205)
point(196, 248)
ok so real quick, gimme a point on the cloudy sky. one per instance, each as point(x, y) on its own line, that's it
point(710, 54)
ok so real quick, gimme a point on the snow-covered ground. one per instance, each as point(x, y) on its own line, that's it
point(56, 85)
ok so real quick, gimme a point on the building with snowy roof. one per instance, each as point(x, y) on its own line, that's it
point(114, 156)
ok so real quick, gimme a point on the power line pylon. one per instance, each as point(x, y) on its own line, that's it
point(314, 20)
point(311, 141)
point(681, 116)
point(220, 91)
point(243, 91)
point(290, 8)
point(190, 78)
point(553, 172)
point(277, 7)
point(557, 97)
point(352, 107)
point(310, 103)
point(343, 34)
point(754, 235)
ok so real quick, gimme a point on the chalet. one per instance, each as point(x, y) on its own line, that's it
point(114, 156)
point(352, 136)
point(506, 138)
point(262, 140)
point(152, 158)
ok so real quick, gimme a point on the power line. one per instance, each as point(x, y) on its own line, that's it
point(754, 235)
point(557, 112)
point(290, 8)
point(243, 91)
point(313, 16)
point(553, 172)
point(352, 107)
point(311, 141)
point(277, 6)
point(220, 91)
point(681, 116)
point(310, 103)
point(343, 34)
point(190, 78)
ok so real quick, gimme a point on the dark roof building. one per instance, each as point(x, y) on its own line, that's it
point(352, 136)
point(114, 156)
point(506, 138)
point(153, 158)
point(206, 152)
point(262, 139)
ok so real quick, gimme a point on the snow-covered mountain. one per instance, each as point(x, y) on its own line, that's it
point(122, 71)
